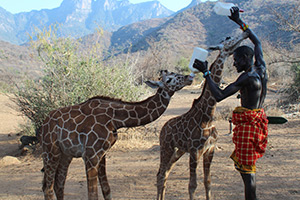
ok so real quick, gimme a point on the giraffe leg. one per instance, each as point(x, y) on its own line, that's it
point(167, 160)
point(61, 175)
point(103, 179)
point(50, 166)
point(207, 159)
point(194, 157)
point(91, 168)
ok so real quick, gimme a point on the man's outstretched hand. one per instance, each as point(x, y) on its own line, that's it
point(235, 15)
point(201, 66)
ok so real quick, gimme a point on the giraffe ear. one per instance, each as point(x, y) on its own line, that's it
point(215, 48)
point(154, 84)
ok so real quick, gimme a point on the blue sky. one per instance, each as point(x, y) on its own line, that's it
point(16, 6)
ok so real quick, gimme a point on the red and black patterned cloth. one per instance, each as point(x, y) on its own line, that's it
point(250, 137)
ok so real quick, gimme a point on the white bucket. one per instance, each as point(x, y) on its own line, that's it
point(200, 54)
point(222, 8)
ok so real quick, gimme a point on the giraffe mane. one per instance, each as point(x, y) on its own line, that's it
point(105, 98)
point(116, 100)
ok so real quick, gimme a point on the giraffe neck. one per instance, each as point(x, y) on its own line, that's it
point(205, 105)
point(216, 68)
point(144, 112)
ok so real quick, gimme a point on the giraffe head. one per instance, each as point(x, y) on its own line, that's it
point(170, 81)
point(228, 45)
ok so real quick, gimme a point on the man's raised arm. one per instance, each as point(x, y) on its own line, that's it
point(258, 53)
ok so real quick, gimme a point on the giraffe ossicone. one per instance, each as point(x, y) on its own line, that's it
point(89, 130)
point(193, 132)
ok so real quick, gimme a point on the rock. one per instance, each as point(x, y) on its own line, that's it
point(9, 160)
point(155, 148)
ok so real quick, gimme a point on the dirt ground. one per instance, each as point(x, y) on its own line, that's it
point(132, 165)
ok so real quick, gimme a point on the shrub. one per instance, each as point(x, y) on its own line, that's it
point(295, 85)
point(70, 77)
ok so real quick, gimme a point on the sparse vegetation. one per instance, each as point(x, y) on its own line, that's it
point(288, 21)
point(69, 78)
point(223, 113)
point(294, 90)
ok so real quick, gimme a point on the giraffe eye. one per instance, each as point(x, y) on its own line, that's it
point(169, 80)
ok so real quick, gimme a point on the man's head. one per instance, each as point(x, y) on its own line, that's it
point(243, 58)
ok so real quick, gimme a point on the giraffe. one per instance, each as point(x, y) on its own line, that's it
point(193, 131)
point(89, 130)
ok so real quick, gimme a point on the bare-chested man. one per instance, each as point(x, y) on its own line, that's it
point(250, 132)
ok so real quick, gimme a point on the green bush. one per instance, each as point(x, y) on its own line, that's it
point(295, 86)
point(70, 76)
point(182, 66)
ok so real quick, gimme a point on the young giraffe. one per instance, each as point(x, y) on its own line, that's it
point(193, 132)
point(89, 130)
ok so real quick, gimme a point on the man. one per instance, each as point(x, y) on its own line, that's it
point(250, 132)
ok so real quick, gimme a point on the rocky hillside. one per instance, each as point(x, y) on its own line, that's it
point(179, 33)
point(78, 18)
point(200, 26)
point(15, 60)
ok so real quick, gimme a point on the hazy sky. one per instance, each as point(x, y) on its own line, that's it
point(16, 6)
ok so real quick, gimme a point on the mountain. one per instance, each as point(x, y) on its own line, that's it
point(199, 25)
point(78, 18)
point(134, 33)
point(174, 36)
point(7, 26)
point(192, 4)
point(16, 60)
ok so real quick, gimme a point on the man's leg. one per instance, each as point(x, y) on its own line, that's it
point(250, 186)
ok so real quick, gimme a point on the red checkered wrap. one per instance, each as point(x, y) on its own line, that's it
point(250, 135)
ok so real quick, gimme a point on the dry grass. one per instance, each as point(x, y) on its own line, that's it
point(143, 137)
point(223, 113)
point(273, 111)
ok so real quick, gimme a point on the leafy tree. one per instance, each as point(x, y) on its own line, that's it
point(71, 76)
